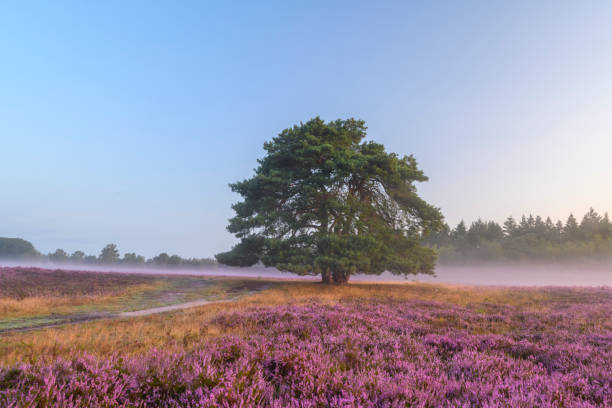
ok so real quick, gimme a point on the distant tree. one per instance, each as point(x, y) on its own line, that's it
point(161, 259)
point(109, 254)
point(606, 227)
point(459, 232)
point(510, 226)
point(175, 260)
point(17, 248)
point(539, 226)
point(59, 256)
point(132, 259)
point(590, 226)
point(441, 237)
point(481, 231)
point(323, 201)
point(532, 238)
point(527, 224)
point(90, 259)
point(549, 229)
point(571, 231)
point(199, 262)
point(523, 226)
point(459, 236)
point(77, 256)
point(557, 232)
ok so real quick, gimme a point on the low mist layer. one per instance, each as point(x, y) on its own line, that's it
point(509, 274)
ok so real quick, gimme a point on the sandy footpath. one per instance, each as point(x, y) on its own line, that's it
point(162, 309)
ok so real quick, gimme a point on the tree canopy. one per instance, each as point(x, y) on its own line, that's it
point(531, 238)
point(324, 201)
point(109, 254)
point(59, 256)
point(16, 247)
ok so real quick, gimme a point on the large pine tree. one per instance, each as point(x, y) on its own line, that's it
point(324, 201)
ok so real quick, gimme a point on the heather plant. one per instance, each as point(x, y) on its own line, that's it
point(19, 283)
point(357, 352)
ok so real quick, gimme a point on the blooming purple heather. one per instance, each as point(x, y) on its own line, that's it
point(354, 354)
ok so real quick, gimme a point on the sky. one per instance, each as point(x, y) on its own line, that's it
point(124, 122)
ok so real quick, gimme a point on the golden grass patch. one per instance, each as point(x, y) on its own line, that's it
point(44, 305)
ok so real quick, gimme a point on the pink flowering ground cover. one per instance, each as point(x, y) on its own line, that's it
point(385, 353)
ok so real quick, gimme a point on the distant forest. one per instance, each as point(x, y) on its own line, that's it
point(531, 238)
point(16, 248)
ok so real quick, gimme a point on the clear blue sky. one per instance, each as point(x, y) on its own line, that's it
point(124, 121)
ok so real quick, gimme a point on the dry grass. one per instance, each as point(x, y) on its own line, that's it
point(65, 304)
point(181, 329)
point(39, 293)
point(35, 292)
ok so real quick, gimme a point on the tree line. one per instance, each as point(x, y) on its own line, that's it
point(109, 255)
point(530, 238)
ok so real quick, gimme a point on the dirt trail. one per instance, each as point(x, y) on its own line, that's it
point(162, 309)
point(75, 319)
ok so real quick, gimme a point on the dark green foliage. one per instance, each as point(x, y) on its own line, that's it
point(17, 248)
point(166, 260)
point(530, 239)
point(109, 254)
point(571, 228)
point(77, 256)
point(161, 259)
point(174, 260)
point(59, 256)
point(323, 201)
point(131, 258)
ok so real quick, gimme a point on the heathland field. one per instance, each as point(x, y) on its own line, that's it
point(306, 345)
point(32, 297)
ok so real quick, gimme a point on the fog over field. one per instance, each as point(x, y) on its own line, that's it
point(515, 274)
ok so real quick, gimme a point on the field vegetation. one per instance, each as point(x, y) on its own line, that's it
point(31, 297)
point(308, 344)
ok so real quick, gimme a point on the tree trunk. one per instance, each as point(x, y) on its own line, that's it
point(340, 277)
point(326, 276)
